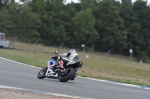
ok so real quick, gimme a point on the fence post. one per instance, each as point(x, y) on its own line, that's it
point(36, 45)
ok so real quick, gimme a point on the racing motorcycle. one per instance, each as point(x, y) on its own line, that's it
point(54, 70)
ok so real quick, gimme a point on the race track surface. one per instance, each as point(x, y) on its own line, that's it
point(24, 76)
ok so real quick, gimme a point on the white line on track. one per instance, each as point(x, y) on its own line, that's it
point(119, 83)
point(43, 92)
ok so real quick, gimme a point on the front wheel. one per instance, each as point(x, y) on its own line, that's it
point(41, 73)
point(69, 75)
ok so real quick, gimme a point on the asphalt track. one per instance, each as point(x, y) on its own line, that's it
point(23, 76)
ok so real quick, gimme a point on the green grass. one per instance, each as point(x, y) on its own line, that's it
point(96, 66)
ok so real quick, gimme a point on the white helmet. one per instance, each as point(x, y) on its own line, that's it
point(72, 51)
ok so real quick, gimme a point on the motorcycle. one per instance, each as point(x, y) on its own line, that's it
point(54, 70)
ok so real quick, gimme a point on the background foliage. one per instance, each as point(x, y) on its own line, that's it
point(103, 25)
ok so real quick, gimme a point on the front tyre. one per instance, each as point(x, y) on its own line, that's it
point(41, 73)
point(69, 75)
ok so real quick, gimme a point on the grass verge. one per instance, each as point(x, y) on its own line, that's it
point(96, 66)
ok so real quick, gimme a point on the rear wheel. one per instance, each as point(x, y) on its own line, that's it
point(67, 76)
point(41, 73)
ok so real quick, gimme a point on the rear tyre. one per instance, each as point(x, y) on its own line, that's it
point(68, 76)
point(41, 73)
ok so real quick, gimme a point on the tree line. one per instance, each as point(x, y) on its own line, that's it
point(102, 25)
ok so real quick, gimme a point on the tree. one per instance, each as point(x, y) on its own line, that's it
point(109, 25)
point(29, 22)
point(131, 26)
point(52, 30)
point(5, 21)
point(142, 12)
point(88, 4)
point(126, 2)
point(84, 24)
point(24, 22)
point(4, 3)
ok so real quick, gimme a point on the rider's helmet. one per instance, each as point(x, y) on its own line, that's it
point(72, 50)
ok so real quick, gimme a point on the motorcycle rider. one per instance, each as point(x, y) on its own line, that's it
point(71, 54)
